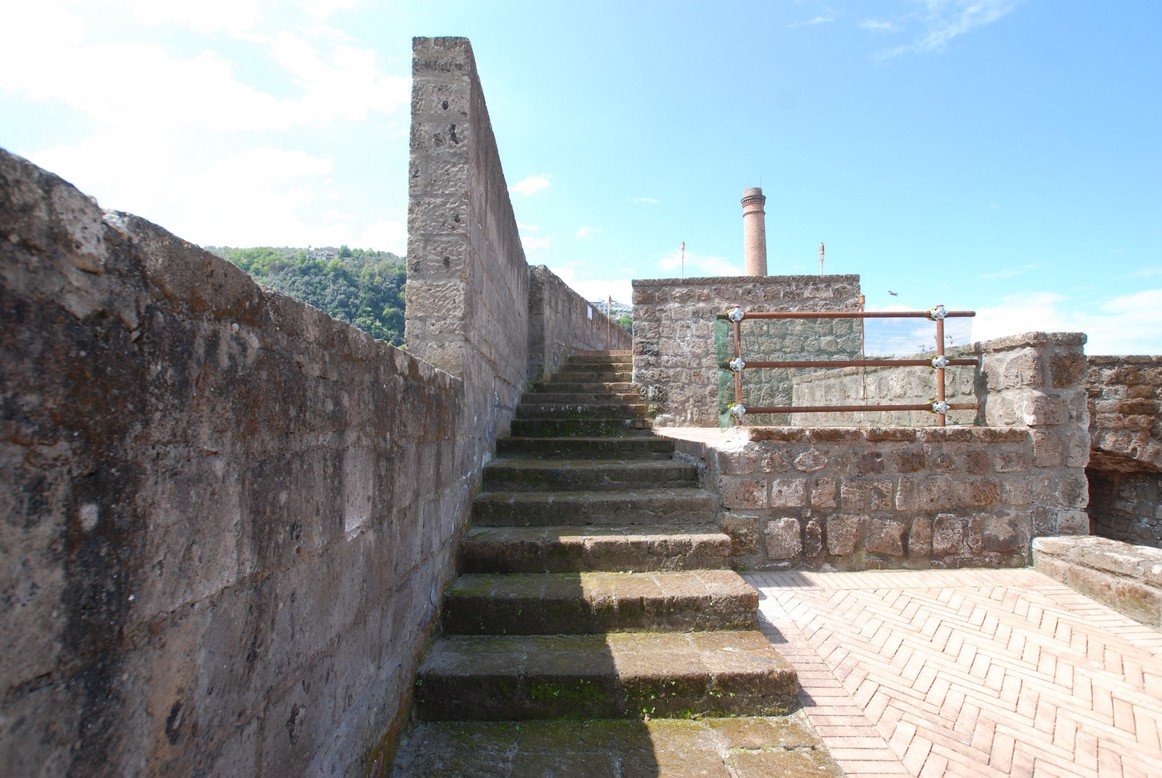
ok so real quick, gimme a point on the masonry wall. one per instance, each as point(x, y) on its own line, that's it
point(1125, 469)
point(561, 322)
point(864, 497)
point(674, 356)
point(885, 386)
point(227, 518)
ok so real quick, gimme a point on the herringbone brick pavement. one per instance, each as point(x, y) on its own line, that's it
point(968, 673)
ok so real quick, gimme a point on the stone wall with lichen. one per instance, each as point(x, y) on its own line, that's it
point(676, 352)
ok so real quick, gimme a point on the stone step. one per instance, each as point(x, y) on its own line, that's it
point(589, 387)
point(544, 397)
point(639, 447)
point(592, 408)
point(594, 602)
point(570, 475)
point(743, 747)
point(694, 507)
point(577, 549)
point(616, 675)
point(618, 374)
point(579, 428)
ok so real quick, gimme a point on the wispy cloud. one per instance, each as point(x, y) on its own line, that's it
point(1010, 272)
point(646, 200)
point(533, 243)
point(586, 233)
point(697, 265)
point(821, 19)
point(1126, 324)
point(942, 21)
point(878, 25)
point(530, 185)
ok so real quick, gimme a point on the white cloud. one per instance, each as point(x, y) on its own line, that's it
point(383, 236)
point(813, 21)
point(1127, 324)
point(587, 233)
point(231, 16)
point(878, 25)
point(945, 20)
point(593, 289)
point(646, 200)
point(530, 185)
point(699, 265)
point(535, 244)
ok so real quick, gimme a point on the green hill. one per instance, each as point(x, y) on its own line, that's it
point(361, 287)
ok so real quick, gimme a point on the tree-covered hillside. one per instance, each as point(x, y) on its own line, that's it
point(361, 287)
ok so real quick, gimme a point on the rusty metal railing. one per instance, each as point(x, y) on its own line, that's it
point(939, 362)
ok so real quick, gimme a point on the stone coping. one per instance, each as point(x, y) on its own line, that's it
point(1128, 578)
point(738, 436)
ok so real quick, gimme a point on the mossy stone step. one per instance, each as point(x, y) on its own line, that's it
point(745, 747)
point(580, 427)
point(585, 474)
point(593, 602)
point(550, 509)
point(576, 549)
point(616, 675)
point(592, 387)
point(590, 409)
point(638, 447)
point(618, 373)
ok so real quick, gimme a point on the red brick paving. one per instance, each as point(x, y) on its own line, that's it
point(968, 672)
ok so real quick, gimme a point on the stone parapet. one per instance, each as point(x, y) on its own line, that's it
point(226, 518)
point(1127, 578)
point(863, 497)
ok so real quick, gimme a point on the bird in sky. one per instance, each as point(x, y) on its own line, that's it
point(893, 294)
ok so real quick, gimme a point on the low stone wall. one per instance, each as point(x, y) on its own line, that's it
point(1125, 469)
point(227, 518)
point(561, 322)
point(674, 355)
point(853, 498)
point(883, 386)
point(1127, 578)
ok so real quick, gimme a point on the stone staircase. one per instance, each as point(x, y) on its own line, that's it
point(596, 628)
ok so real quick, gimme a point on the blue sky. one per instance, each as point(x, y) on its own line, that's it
point(995, 155)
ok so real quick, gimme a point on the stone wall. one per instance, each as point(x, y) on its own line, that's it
point(227, 518)
point(1125, 469)
point(884, 386)
point(855, 498)
point(561, 322)
point(674, 354)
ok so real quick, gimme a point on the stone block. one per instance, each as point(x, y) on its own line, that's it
point(949, 536)
point(812, 539)
point(743, 529)
point(885, 536)
point(1072, 522)
point(1001, 534)
point(843, 533)
point(824, 492)
point(743, 493)
point(782, 538)
point(811, 461)
point(920, 539)
point(788, 493)
point(868, 495)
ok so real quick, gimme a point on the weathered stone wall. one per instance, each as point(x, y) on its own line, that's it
point(884, 386)
point(470, 295)
point(674, 355)
point(227, 518)
point(856, 498)
point(561, 322)
point(1125, 469)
